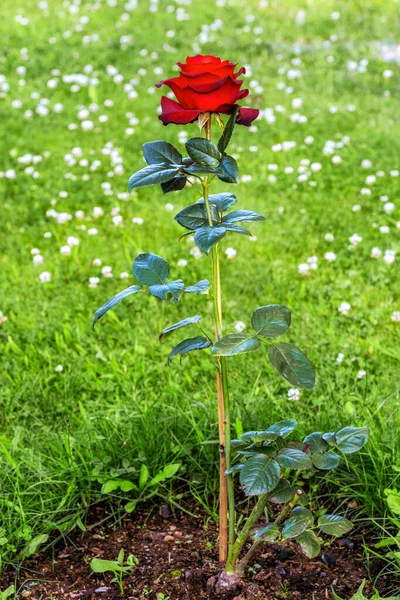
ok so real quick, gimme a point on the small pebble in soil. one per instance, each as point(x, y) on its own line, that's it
point(328, 559)
point(101, 589)
point(165, 512)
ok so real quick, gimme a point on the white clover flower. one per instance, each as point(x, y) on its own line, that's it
point(59, 369)
point(312, 262)
point(330, 256)
point(124, 275)
point(47, 234)
point(344, 308)
point(3, 318)
point(45, 277)
point(117, 220)
point(339, 358)
point(308, 140)
point(182, 262)
point(10, 174)
point(246, 178)
point(356, 208)
point(35, 251)
point(239, 326)
point(303, 269)
point(230, 253)
point(97, 262)
point(293, 394)
point(169, 206)
point(80, 214)
point(389, 257)
point(93, 231)
point(394, 173)
point(65, 250)
point(376, 253)
point(365, 192)
point(196, 252)
point(329, 237)
point(315, 167)
point(366, 163)
point(370, 179)
point(388, 207)
point(107, 271)
point(361, 373)
point(396, 316)
point(98, 211)
point(38, 259)
point(72, 241)
point(336, 159)
point(384, 229)
point(355, 239)
point(387, 73)
point(252, 238)
point(138, 220)
point(288, 170)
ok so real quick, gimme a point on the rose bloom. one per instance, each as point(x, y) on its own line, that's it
point(205, 84)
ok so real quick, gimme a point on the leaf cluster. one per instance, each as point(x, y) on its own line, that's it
point(270, 464)
point(269, 322)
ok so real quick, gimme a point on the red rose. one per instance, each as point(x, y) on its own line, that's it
point(205, 84)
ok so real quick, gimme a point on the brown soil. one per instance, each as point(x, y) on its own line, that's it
point(177, 557)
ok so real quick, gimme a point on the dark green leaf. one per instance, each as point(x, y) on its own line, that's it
point(168, 291)
point(283, 493)
point(259, 475)
point(153, 175)
point(207, 237)
point(235, 343)
point(161, 152)
point(330, 438)
point(195, 216)
point(114, 301)
point(199, 287)
point(227, 133)
point(203, 152)
point(271, 320)
point(309, 543)
point(281, 428)
point(316, 442)
point(195, 169)
point(292, 364)
point(228, 170)
point(197, 343)
point(174, 185)
point(234, 469)
point(236, 229)
point(300, 520)
point(150, 269)
point(351, 439)
point(268, 533)
point(221, 201)
point(293, 459)
point(326, 462)
point(188, 321)
point(242, 216)
point(334, 524)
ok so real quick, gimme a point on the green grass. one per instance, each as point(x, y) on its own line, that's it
point(116, 402)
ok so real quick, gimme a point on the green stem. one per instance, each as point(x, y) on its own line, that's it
point(243, 536)
point(226, 482)
point(250, 553)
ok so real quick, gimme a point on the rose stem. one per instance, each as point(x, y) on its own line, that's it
point(226, 482)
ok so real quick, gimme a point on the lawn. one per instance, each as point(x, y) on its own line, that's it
point(78, 406)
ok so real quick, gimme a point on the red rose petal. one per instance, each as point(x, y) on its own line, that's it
point(246, 116)
point(172, 112)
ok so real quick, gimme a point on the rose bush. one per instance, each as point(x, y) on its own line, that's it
point(205, 84)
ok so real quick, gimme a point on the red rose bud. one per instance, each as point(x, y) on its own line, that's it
point(205, 84)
